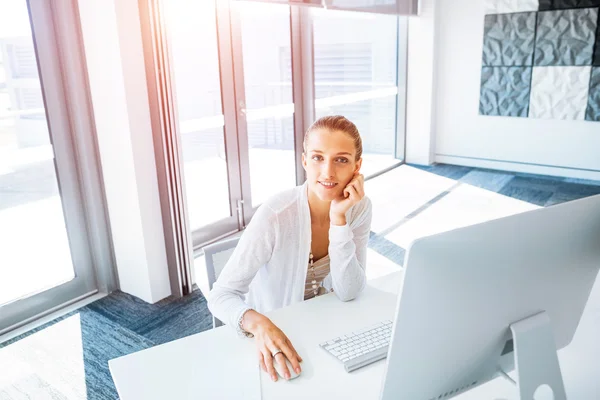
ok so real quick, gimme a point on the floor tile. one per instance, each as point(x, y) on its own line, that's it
point(68, 360)
point(493, 181)
point(388, 249)
point(164, 321)
point(449, 171)
point(582, 181)
point(532, 196)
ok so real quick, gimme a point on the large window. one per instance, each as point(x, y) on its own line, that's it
point(195, 61)
point(265, 36)
point(45, 260)
point(237, 68)
point(355, 68)
point(30, 206)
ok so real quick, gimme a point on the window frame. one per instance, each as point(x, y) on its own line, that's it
point(57, 38)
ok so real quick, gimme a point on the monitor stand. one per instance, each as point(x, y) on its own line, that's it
point(536, 360)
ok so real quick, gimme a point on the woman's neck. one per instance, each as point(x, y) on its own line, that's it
point(319, 209)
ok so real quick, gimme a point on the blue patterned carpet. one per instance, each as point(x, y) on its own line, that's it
point(120, 324)
point(536, 189)
point(111, 327)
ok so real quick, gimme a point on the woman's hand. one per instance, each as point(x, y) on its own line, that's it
point(271, 340)
point(352, 194)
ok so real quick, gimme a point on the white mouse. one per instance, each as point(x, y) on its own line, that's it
point(279, 368)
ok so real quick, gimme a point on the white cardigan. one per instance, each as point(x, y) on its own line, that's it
point(268, 268)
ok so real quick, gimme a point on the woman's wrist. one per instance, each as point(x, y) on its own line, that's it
point(338, 219)
point(252, 321)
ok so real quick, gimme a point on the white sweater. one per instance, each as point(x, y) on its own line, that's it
point(268, 268)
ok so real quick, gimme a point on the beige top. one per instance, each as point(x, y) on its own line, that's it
point(314, 278)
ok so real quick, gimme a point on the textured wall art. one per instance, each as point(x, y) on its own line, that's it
point(541, 59)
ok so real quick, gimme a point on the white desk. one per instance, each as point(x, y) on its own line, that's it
point(220, 365)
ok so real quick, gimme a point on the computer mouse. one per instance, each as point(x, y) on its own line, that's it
point(279, 368)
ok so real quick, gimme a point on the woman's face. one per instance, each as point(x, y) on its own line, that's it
point(330, 162)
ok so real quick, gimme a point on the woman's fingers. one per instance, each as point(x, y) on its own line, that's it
point(357, 187)
point(360, 188)
point(268, 359)
point(359, 184)
point(280, 359)
point(274, 342)
point(294, 350)
point(291, 355)
point(354, 197)
point(261, 361)
point(360, 178)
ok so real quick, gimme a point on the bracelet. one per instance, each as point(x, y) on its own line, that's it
point(240, 326)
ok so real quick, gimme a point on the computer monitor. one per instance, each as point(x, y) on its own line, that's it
point(467, 293)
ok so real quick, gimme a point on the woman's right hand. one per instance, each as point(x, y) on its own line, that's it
point(269, 340)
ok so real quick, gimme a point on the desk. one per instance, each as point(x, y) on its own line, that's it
point(219, 363)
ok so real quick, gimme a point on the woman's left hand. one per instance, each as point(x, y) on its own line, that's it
point(352, 194)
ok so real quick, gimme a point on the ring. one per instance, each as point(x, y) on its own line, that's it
point(276, 352)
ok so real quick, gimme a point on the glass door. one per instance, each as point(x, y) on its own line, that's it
point(263, 66)
point(233, 97)
point(205, 106)
point(45, 258)
point(356, 75)
point(237, 67)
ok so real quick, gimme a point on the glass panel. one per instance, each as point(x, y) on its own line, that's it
point(355, 58)
point(317, 3)
point(35, 252)
point(383, 6)
point(398, 7)
point(192, 31)
point(269, 101)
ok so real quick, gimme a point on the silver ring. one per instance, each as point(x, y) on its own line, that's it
point(276, 352)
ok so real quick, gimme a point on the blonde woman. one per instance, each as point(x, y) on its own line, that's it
point(301, 243)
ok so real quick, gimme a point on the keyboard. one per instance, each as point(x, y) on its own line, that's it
point(360, 348)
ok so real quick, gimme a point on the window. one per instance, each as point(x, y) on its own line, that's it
point(265, 36)
point(232, 67)
point(31, 210)
point(195, 65)
point(355, 58)
point(50, 222)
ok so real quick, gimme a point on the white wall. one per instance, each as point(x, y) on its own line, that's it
point(555, 147)
point(114, 57)
point(420, 85)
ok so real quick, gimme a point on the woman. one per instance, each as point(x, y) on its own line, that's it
point(301, 243)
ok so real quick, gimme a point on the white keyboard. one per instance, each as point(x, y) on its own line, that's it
point(360, 348)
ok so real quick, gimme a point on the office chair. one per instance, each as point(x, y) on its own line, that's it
point(216, 256)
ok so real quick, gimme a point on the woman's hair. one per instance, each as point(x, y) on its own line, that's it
point(337, 123)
